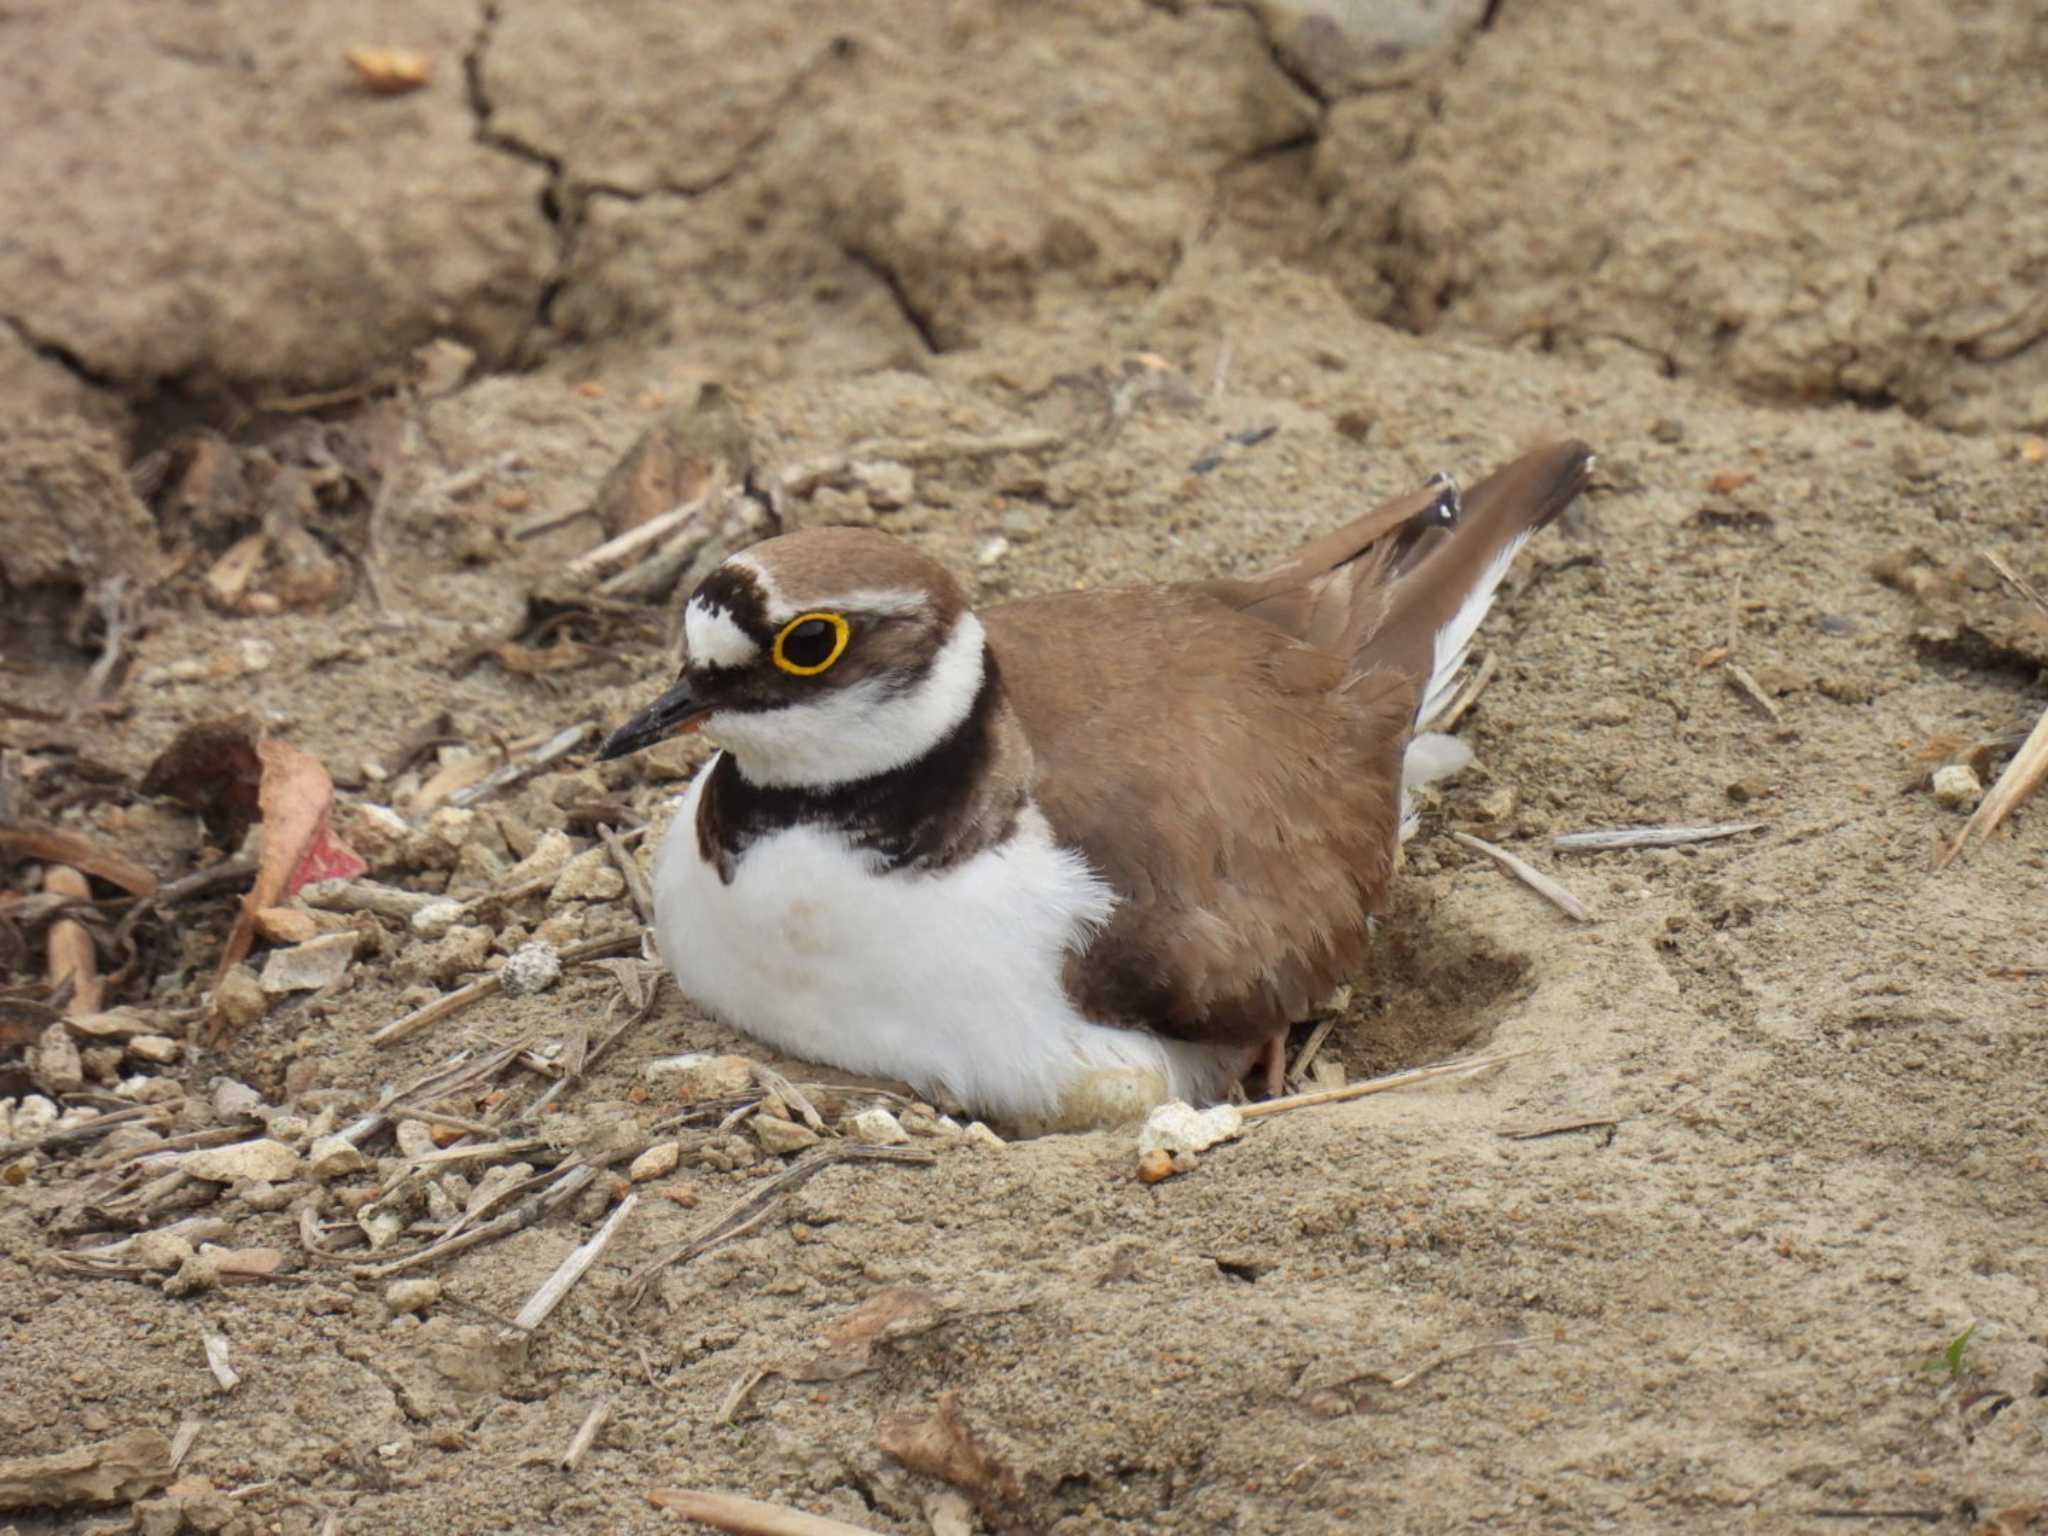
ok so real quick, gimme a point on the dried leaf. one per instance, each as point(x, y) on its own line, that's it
point(846, 1347)
point(296, 798)
point(941, 1445)
point(212, 768)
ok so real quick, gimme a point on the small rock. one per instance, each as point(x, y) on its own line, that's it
point(240, 997)
point(415, 1139)
point(310, 966)
point(334, 1157)
point(285, 925)
point(439, 843)
point(459, 952)
point(878, 1128)
point(404, 1296)
point(263, 1159)
point(531, 968)
point(268, 1198)
point(551, 853)
point(34, 1116)
point(160, 1251)
point(1179, 1127)
point(1497, 804)
point(102, 1063)
point(887, 485)
point(588, 877)
point(478, 868)
point(991, 551)
point(437, 917)
point(57, 1066)
point(160, 1050)
point(1956, 788)
point(1154, 1166)
point(199, 1272)
point(1668, 430)
point(701, 1075)
point(979, 1135)
point(782, 1136)
point(658, 1161)
point(376, 832)
point(1609, 711)
point(292, 1130)
point(236, 1101)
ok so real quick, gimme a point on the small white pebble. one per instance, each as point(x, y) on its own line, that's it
point(437, 917)
point(878, 1128)
point(402, 1296)
point(979, 1135)
point(992, 551)
point(1956, 788)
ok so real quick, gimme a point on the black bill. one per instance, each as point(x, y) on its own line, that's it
point(672, 714)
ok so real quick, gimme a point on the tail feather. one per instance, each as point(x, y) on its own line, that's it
point(1434, 607)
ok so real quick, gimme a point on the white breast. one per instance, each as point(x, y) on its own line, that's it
point(948, 980)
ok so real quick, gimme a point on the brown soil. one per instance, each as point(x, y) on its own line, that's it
point(1786, 275)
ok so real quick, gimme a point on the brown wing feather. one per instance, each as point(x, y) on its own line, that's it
point(1244, 815)
point(1228, 755)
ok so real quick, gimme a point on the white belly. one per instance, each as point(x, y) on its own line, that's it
point(947, 980)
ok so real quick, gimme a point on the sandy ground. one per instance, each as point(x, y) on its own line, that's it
point(1786, 275)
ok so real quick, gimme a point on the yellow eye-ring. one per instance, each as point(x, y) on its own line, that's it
point(811, 642)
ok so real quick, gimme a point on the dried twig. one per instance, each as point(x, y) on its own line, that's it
point(1649, 837)
point(181, 1442)
point(571, 1269)
point(2019, 583)
point(630, 872)
point(748, 1517)
point(586, 1434)
point(1556, 1128)
point(750, 1212)
point(1739, 679)
point(1468, 695)
point(557, 747)
point(791, 1095)
point(1464, 1067)
point(1310, 1048)
point(1529, 875)
point(802, 479)
point(441, 1007)
point(634, 540)
point(2023, 775)
point(737, 1394)
point(1409, 1378)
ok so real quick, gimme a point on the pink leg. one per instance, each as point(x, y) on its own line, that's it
point(1274, 1055)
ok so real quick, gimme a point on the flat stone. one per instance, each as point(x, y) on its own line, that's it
point(782, 1136)
point(588, 877)
point(1179, 1127)
point(701, 1075)
point(309, 966)
point(877, 1128)
point(264, 1159)
point(658, 1161)
point(334, 1157)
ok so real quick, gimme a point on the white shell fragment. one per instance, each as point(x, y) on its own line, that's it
point(1956, 788)
point(1179, 1127)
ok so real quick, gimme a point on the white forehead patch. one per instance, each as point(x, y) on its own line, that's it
point(710, 636)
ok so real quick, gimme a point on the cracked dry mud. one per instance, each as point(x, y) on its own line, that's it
point(1784, 268)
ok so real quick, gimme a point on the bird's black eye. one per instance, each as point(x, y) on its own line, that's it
point(810, 642)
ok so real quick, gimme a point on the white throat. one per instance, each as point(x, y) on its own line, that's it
point(857, 732)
